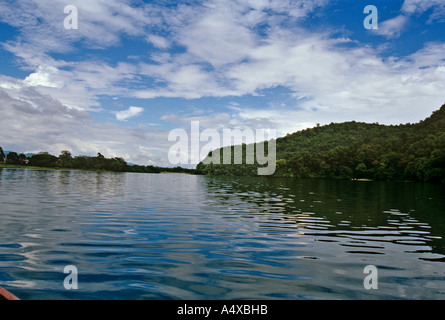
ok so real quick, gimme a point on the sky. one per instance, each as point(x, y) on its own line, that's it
point(135, 70)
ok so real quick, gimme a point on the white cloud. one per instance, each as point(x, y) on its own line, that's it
point(130, 113)
point(340, 83)
point(101, 23)
point(420, 6)
point(32, 122)
point(215, 121)
point(180, 79)
point(392, 28)
point(78, 84)
point(158, 41)
point(219, 36)
point(43, 77)
point(222, 54)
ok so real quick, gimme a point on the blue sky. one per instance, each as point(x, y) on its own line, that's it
point(135, 70)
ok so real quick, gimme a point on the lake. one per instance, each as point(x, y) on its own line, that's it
point(143, 236)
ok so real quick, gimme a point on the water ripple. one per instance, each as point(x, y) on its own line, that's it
point(136, 236)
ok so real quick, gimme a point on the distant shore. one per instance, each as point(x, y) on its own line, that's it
point(17, 166)
point(176, 173)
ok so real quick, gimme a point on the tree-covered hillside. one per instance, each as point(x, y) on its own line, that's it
point(414, 152)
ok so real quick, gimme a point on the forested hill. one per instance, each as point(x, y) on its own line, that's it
point(414, 152)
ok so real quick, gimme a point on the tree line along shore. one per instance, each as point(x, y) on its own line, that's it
point(66, 161)
point(349, 150)
point(358, 151)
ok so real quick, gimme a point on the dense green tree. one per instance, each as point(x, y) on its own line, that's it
point(2, 155)
point(118, 165)
point(361, 171)
point(98, 162)
point(43, 159)
point(13, 158)
point(66, 159)
point(359, 150)
point(23, 157)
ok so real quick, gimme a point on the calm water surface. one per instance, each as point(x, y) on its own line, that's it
point(142, 236)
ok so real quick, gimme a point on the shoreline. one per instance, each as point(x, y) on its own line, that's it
point(14, 166)
point(5, 166)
